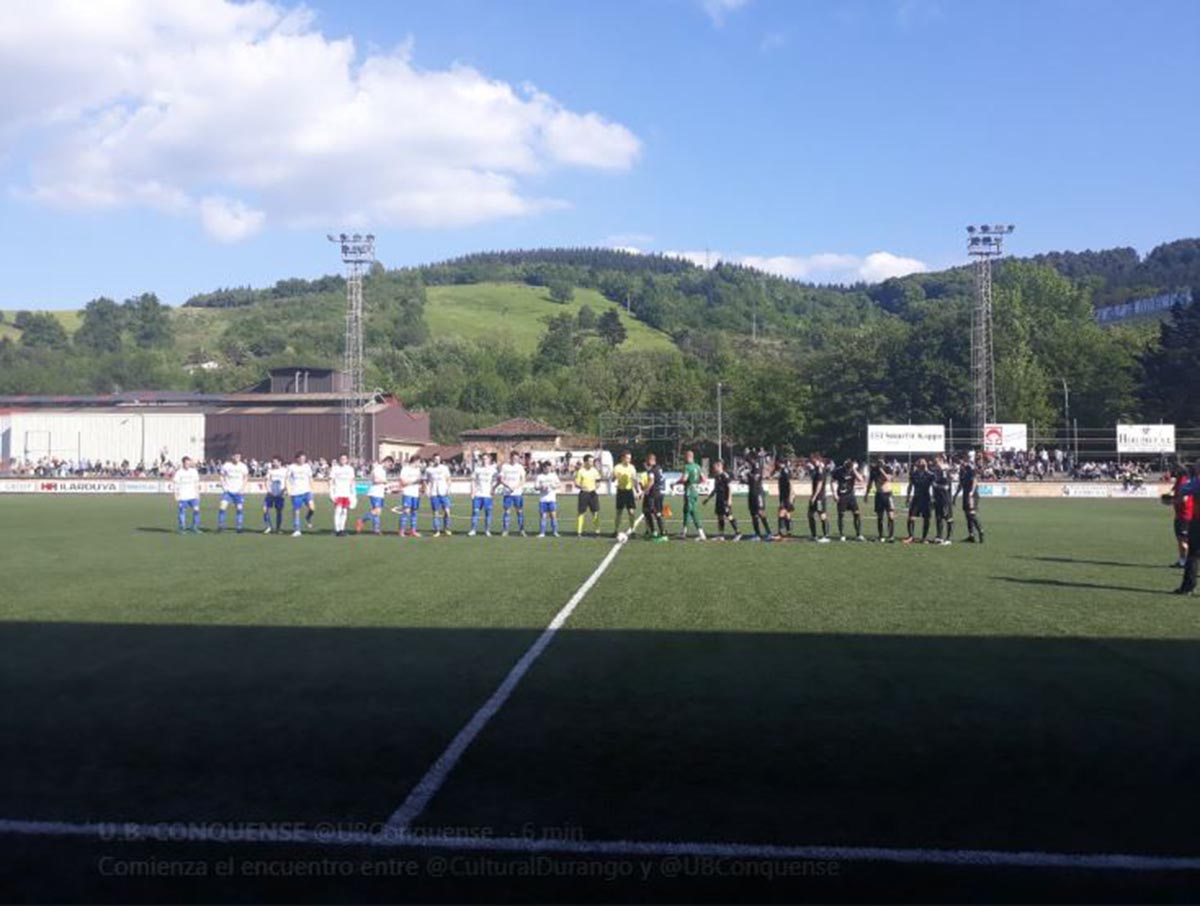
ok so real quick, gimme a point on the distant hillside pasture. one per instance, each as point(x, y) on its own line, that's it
point(517, 313)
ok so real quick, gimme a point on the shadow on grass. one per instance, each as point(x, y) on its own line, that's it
point(1098, 586)
point(1051, 744)
point(1085, 562)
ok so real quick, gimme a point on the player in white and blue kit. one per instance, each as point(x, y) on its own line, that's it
point(276, 488)
point(511, 482)
point(234, 474)
point(376, 493)
point(412, 476)
point(299, 488)
point(547, 485)
point(437, 483)
point(483, 485)
point(187, 494)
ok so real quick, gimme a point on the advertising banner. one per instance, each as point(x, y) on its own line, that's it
point(1002, 437)
point(1145, 438)
point(906, 439)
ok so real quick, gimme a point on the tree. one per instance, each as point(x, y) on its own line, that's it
point(1168, 390)
point(586, 318)
point(610, 328)
point(149, 322)
point(561, 291)
point(559, 345)
point(43, 331)
point(101, 327)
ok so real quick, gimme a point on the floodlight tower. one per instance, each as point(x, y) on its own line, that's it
point(358, 252)
point(984, 243)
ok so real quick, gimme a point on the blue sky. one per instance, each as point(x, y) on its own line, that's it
point(181, 145)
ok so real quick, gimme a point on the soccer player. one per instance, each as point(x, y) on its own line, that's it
point(376, 494)
point(483, 483)
point(626, 479)
point(787, 496)
point(654, 485)
point(587, 479)
point(1190, 490)
point(1185, 512)
point(756, 498)
point(276, 486)
point(234, 473)
point(943, 499)
point(969, 489)
point(723, 492)
point(879, 480)
point(411, 478)
point(342, 493)
point(437, 484)
point(546, 484)
point(818, 476)
point(920, 490)
point(511, 483)
point(690, 482)
point(187, 494)
point(845, 483)
point(299, 488)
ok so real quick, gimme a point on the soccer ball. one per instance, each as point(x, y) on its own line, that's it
point(622, 537)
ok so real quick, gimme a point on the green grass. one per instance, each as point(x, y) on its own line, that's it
point(1035, 693)
point(518, 313)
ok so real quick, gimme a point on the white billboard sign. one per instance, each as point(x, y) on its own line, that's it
point(906, 439)
point(1005, 436)
point(1145, 438)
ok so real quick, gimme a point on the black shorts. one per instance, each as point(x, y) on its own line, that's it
point(970, 504)
point(652, 504)
point(589, 502)
point(723, 509)
point(625, 499)
point(816, 504)
point(884, 502)
point(943, 505)
point(919, 507)
point(848, 504)
point(1182, 526)
point(756, 503)
point(787, 506)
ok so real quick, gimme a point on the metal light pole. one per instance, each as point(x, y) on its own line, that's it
point(1067, 407)
point(358, 252)
point(983, 244)
point(720, 431)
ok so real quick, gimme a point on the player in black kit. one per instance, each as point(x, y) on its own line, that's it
point(787, 497)
point(879, 480)
point(756, 498)
point(970, 500)
point(653, 486)
point(920, 491)
point(723, 492)
point(818, 476)
point(943, 499)
point(845, 482)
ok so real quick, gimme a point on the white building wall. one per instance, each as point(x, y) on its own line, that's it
point(106, 436)
point(5, 439)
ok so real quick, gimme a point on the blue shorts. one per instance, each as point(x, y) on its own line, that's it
point(547, 506)
point(376, 503)
point(439, 503)
point(235, 499)
point(412, 503)
point(514, 500)
point(299, 500)
point(481, 503)
point(273, 500)
point(193, 504)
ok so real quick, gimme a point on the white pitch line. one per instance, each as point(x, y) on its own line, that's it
point(428, 785)
point(210, 832)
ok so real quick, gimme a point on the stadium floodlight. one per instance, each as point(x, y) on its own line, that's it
point(357, 255)
point(984, 242)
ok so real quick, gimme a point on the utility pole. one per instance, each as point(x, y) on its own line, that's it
point(358, 252)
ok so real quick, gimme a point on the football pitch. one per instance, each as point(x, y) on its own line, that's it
point(257, 717)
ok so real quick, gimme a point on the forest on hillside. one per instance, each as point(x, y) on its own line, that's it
point(806, 366)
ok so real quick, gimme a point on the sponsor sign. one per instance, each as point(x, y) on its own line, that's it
point(1145, 438)
point(1086, 490)
point(906, 439)
point(142, 487)
point(1006, 436)
point(992, 490)
point(71, 486)
point(17, 487)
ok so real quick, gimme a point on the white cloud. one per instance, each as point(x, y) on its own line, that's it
point(243, 115)
point(717, 10)
point(823, 267)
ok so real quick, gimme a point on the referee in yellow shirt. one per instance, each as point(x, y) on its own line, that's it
point(587, 478)
point(625, 476)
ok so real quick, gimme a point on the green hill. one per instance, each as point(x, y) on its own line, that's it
point(517, 313)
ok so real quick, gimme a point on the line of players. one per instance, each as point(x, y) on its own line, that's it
point(932, 492)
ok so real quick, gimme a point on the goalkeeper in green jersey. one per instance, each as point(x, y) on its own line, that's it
point(690, 481)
